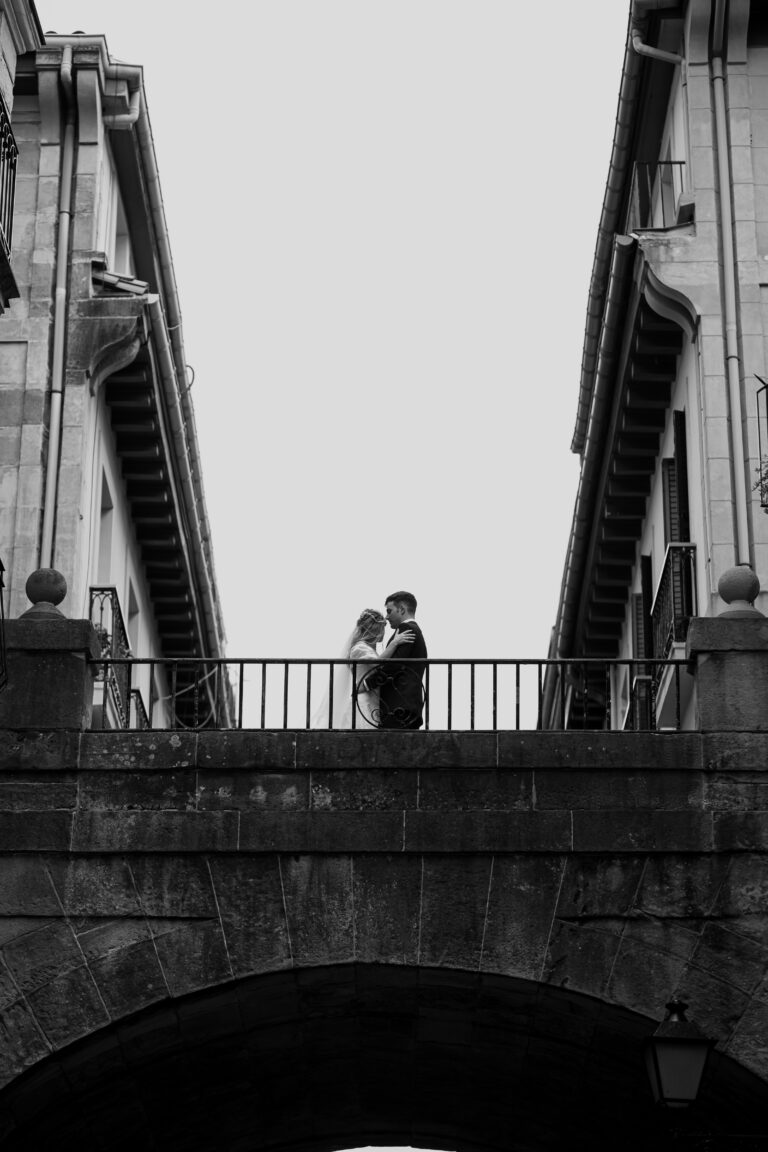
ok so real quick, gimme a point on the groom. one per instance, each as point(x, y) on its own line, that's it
point(401, 695)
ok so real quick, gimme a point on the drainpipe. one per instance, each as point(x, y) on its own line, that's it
point(732, 366)
point(129, 118)
point(59, 311)
point(639, 10)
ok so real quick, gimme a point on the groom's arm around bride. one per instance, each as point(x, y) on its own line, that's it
point(401, 692)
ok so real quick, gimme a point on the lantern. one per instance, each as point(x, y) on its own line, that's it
point(675, 1057)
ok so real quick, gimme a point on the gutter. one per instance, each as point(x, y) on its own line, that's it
point(171, 391)
point(608, 270)
point(609, 217)
point(621, 265)
point(183, 425)
point(636, 49)
point(180, 404)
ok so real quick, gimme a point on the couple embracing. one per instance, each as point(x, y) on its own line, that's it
point(388, 693)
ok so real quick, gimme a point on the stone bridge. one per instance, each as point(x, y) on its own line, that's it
point(319, 940)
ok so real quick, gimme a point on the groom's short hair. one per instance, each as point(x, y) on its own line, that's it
point(407, 599)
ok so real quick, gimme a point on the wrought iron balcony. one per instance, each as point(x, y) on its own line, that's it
point(8, 157)
point(3, 658)
point(654, 197)
point(675, 600)
point(107, 619)
point(139, 717)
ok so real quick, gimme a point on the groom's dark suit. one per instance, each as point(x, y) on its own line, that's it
point(401, 697)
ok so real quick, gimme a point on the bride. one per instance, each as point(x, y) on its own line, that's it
point(360, 645)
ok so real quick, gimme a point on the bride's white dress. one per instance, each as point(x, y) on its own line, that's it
point(367, 702)
point(366, 708)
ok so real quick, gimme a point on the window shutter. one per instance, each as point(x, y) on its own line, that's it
point(681, 477)
point(671, 506)
point(646, 603)
point(638, 626)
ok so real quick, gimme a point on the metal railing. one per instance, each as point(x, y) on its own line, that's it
point(115, 673)
point(455, 695)
point(139, 715)
point(653, 196)
point(3, 655)
point(761, 482)
point(675, 601)
point(8, 157)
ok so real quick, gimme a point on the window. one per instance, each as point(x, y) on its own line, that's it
point(104, 572)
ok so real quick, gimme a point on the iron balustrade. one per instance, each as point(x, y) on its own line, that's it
point(3, 655)
point(675, 601)
point(139, 715)
point(8, 156)
point(761, 471)
point(653, 196)
point(107, 618)
point(459, 695)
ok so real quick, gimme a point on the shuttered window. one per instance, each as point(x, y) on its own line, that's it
point(675, 485)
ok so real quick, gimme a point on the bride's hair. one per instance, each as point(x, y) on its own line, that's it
point(368, 626)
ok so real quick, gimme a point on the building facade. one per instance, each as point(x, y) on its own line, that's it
point(20, 32)
point(671, 425)
point(100, 475)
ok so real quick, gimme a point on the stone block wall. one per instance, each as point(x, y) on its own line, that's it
point(25, 350)
point(137, 867)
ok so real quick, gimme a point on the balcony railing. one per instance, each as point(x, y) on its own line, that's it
point(139, 717)
point(107, 619)
point(675, 600)
point(3, 657)
point(456, 695)
point(8, 157)
point(655, 194)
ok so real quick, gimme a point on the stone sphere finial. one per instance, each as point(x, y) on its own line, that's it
point(46, 588)
point(739, 587)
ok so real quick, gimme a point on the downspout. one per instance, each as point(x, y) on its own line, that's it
point(59, 311)
point(732, 366)
point(639, 10)
point(125, 119)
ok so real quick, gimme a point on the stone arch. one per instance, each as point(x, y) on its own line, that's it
point(335, 1057)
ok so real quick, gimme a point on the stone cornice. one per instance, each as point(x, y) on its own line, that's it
point(24, 25)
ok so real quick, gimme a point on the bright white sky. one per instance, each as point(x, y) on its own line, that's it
point(383, 215)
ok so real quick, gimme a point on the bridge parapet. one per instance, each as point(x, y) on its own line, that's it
point(53, 662)
point(150, 880)
point(141, 865)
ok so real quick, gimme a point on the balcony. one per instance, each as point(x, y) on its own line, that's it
point(656, 198)
point(113, 681)
point(675, 601)
point(673, 607)
point(3, 657)
point(8, 157)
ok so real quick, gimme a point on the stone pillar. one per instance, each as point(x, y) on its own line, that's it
point(729, 658)
point(50, 679)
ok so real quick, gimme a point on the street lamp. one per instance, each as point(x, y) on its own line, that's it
point(675, 1057)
